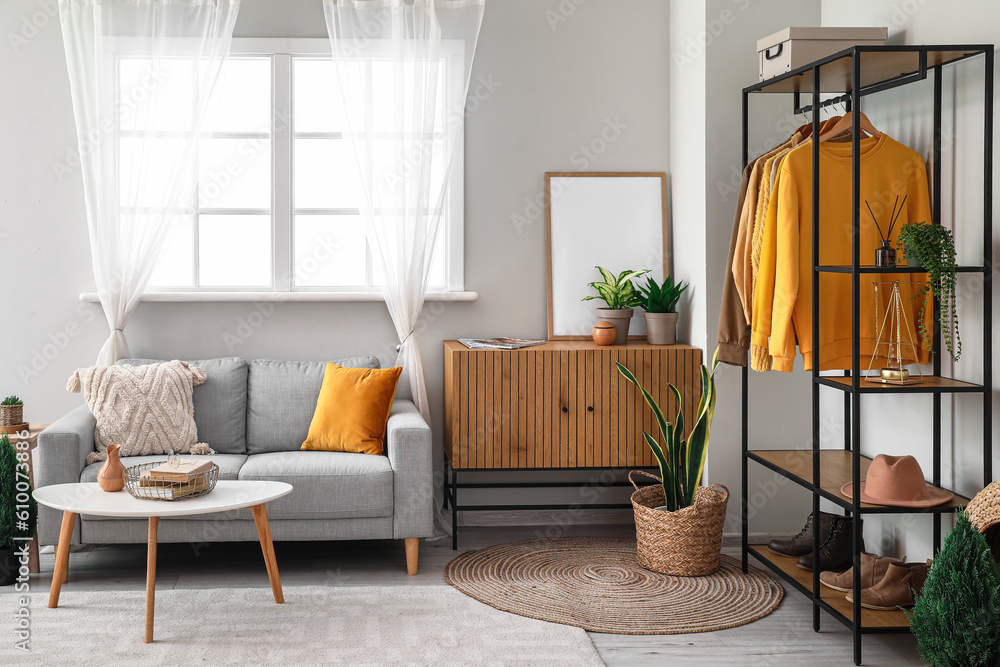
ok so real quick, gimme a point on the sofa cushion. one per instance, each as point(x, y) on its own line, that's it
point(327, 485)
point(229, 468)
point(281, 400)
point(147, 409)
point(352, 410)
point(220, 403)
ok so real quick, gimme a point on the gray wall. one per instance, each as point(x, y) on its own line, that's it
point(562, 71)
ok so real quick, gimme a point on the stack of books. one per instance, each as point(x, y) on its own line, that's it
point(169, 482)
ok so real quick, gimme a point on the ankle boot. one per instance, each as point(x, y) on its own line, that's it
point(837, 552)
point(873, 569)
point(898, 588)
point(802, 543)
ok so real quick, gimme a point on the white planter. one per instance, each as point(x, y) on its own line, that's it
point(661, 328)
point(620, 318)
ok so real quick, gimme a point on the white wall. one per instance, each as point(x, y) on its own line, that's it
point(553, 76)
point(713, 47)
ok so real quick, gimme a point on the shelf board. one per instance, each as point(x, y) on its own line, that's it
point(846, 268)
point(931, 384)
point(881, 68)
point(835, 471)
point(836, 602)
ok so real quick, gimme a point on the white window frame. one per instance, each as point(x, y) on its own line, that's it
point(282, 51)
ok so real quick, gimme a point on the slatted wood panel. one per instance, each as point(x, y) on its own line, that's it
point(560, 405)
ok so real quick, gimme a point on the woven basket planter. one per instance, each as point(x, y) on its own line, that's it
point(11, 415)
point(685, 543)
point(984, 513)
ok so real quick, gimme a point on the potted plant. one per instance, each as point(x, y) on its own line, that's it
point(11, 415)
point(18, 511)
point(932, 247)
point(660, 304)
point(956, 618)
point(679, 522)
point(620, 297)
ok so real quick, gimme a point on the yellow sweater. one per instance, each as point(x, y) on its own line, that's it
point(782, 305)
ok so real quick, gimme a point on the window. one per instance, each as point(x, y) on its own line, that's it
point(275, 199)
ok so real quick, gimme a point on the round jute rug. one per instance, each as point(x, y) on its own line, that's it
point(596, 584)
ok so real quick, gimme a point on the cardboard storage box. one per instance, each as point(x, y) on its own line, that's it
point(794, 47)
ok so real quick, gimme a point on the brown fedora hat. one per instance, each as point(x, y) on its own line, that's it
point(897, 481)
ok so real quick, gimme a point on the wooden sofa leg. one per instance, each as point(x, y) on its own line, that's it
point(412, 553)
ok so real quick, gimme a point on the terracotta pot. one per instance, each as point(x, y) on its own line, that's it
point(661, 328)
point(620, 318)
point(110, 477)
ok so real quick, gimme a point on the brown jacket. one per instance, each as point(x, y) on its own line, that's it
point(734, 332)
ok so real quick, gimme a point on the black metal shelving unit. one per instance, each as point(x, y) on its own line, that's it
point(851, 75)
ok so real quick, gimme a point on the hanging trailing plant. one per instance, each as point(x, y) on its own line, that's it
point(934, 247)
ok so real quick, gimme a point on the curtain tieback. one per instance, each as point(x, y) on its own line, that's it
point(405, 338)
point(114, 330)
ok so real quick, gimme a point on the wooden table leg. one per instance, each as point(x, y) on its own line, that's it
point(61, 570)
point(154, 522)
point(264, 532)
point(33, 567)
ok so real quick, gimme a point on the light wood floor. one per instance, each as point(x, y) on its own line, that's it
point(783, 638)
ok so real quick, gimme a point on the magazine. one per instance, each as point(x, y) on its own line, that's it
point(502, 343)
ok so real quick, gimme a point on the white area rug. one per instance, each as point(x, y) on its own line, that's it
point(363, 625)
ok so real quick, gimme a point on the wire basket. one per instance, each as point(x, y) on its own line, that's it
point(195, 486)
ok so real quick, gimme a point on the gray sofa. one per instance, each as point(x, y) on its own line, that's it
point(256, 415)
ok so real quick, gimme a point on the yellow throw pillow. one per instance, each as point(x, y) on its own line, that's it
point(352, 410)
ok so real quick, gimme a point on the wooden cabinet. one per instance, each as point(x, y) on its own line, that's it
point(560, 405)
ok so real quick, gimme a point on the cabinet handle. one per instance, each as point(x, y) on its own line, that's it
point(565, 409)
point(590, 408)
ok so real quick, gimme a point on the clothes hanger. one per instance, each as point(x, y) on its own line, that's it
point(806, 130)
point(846, 123)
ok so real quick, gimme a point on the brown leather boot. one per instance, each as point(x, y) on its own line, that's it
point(836, 553)
point(898, 588)
point(872, 571)
point(802, 543)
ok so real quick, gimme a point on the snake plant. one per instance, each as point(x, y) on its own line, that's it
point(681, 461)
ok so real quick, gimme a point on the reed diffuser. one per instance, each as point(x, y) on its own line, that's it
point(885, 256)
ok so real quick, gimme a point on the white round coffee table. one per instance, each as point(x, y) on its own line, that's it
point(88, 498)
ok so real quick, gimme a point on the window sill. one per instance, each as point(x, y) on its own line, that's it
point(289, 297)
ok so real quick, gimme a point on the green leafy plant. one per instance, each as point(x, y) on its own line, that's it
point(618, 293)
point(956, 618)
point(681, 461)
point(18, 509)
point(661, 298)
point(934, 247)
point(12, 400)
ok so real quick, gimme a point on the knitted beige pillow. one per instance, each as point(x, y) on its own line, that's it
point(147, 409)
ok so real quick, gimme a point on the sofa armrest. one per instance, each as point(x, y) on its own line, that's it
point(408, 444)
point(59, 458)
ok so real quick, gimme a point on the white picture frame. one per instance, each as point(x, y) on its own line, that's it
point(617, 220)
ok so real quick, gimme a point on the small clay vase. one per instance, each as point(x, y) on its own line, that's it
point(110, 477)
point(604, 333)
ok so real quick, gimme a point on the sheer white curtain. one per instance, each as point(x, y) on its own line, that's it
point(404, 118)
point(141, 74)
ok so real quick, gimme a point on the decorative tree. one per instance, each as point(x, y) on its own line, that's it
point(957, 616)
point(15, 522)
